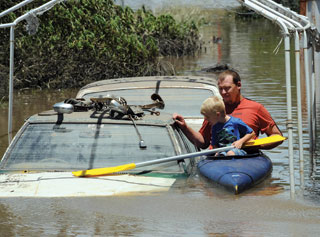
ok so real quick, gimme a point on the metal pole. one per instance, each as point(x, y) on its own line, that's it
point(276, 13)
point(313, 107)
point(308, 86)
point(286, 11)
point(299, 107)
point(11, 70)
point(15, 7)
point(183, 156)
point(295, 24)
point(285, 25)
point(314, 13)
point(39, 10)
point(289, 113)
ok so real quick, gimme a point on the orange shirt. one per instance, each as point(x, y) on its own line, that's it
point(254, 114)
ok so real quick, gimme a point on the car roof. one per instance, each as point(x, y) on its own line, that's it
point(149, 82)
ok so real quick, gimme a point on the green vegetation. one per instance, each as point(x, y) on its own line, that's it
point(80, 41)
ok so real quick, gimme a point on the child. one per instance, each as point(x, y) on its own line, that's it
point(226, 130)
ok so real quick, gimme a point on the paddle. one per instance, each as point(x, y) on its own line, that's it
point(115, 169)
point(264, 141)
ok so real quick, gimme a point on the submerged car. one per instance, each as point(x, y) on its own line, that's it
point(182, 94)
point(84, 134)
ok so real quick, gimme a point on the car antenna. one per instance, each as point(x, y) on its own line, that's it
point(142, 144)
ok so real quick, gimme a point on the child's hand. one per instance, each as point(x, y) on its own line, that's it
point(237, 144)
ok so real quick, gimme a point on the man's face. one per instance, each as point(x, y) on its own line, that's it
point(229, 91)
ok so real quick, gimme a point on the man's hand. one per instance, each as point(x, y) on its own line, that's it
point(271, 132)
point(179, 120)
point(195, 137)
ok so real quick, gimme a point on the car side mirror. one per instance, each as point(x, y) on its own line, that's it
point(63, 108)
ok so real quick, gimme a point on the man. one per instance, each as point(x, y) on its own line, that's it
point(252, 113)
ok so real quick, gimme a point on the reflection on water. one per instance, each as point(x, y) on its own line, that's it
point(170, 214)
point(7, 220)
point(193, 207)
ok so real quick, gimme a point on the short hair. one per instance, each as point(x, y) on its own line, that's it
point(212, 105)
point(234, 74)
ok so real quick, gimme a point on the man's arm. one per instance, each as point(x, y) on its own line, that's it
point(274, 130)
point(195, 137)
point(270, 128)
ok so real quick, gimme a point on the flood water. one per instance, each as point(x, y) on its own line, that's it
point(193, 207)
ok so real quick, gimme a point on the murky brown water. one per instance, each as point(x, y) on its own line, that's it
point(193, 207)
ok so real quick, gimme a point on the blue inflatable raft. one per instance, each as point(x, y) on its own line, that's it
point(236, 173)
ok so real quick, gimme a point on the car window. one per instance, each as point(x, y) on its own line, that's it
point(84, 146)
point(186, 101)
point(184, 142)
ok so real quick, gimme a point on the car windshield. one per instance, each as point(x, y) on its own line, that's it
point(184, 101)
point(85, 146)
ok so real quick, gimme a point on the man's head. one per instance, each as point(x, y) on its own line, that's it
point(229, 84)
point(213, 109)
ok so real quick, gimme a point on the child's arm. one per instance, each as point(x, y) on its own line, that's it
point(239, 143)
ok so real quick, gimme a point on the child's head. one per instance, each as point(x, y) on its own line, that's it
point(213, 106)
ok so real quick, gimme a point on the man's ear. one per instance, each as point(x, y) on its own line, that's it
point(239, 84)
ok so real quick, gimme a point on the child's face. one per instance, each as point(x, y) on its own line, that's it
point(213, 118)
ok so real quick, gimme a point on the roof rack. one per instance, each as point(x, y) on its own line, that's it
point(116, 107)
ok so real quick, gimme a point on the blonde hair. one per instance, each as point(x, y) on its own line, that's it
point(212, 105)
